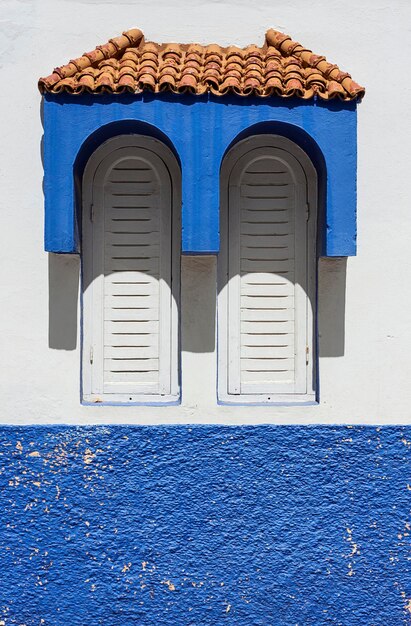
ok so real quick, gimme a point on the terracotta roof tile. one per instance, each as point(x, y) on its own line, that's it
point(281, 67)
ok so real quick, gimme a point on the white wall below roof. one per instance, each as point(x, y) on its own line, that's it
point(370, 381)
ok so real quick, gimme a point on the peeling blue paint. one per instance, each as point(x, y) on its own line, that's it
point(200, 130)
point(190, 526)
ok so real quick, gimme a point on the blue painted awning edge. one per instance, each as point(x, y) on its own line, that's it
point(200, 131)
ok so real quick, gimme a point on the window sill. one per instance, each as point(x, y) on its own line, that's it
point(128, 400)
point(307, 399)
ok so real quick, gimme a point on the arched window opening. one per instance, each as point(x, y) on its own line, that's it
point(131, 254)
point(267, 273)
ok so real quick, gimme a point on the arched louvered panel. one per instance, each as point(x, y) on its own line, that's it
point(131, 330)
point(267, 309)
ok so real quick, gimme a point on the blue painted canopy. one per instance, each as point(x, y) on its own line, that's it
point(199, 130)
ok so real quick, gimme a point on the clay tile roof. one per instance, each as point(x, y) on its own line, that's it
point(281, 67)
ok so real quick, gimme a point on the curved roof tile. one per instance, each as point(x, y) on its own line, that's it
point(129, 64)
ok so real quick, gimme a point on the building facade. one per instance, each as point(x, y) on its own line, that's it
point(206, 324)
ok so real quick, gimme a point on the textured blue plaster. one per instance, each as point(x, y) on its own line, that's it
point(204, 526)
point(200, 129)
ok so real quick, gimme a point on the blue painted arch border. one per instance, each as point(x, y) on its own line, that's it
point(199, 130)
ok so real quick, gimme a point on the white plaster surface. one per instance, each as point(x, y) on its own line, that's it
point(365, 342)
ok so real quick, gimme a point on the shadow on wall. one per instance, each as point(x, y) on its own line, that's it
point(198, 303)
point(198, 306)
point(331, 306)
point(64, 280)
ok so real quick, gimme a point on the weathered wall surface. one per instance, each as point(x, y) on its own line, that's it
point(364, 306)
point(267, 526)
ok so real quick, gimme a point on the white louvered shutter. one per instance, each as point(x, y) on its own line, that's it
point(130, 292)
point(267, 275)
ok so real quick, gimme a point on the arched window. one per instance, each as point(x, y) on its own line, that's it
point(267, 273)
point(131, 256)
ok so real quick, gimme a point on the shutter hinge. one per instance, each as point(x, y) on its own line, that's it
point(91, 212)
point(91, 356)
point(307, 211)
point(307, 355)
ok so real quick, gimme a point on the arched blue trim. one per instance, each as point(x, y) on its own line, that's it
point(112, 129)
point(294, 133)
point(199, 130)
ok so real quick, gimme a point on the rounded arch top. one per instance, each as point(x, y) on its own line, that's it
point(277, 146)
point(284, 147)
point(119, 142)
point(114, 130)
point(294, 138)
point(299, 164)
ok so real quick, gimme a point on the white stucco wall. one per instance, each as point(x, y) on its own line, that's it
point(370, 379)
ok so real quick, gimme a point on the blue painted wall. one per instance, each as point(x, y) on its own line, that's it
point(200, 129)
point(203, 526)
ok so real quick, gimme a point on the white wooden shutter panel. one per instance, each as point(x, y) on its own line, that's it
point(267, 304)
point(131, 297)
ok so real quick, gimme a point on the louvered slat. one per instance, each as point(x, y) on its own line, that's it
point(131, 199)
point(267, 210)
point(130, 327)
point(262, 265)
point(267, 328)
point(126, 340)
